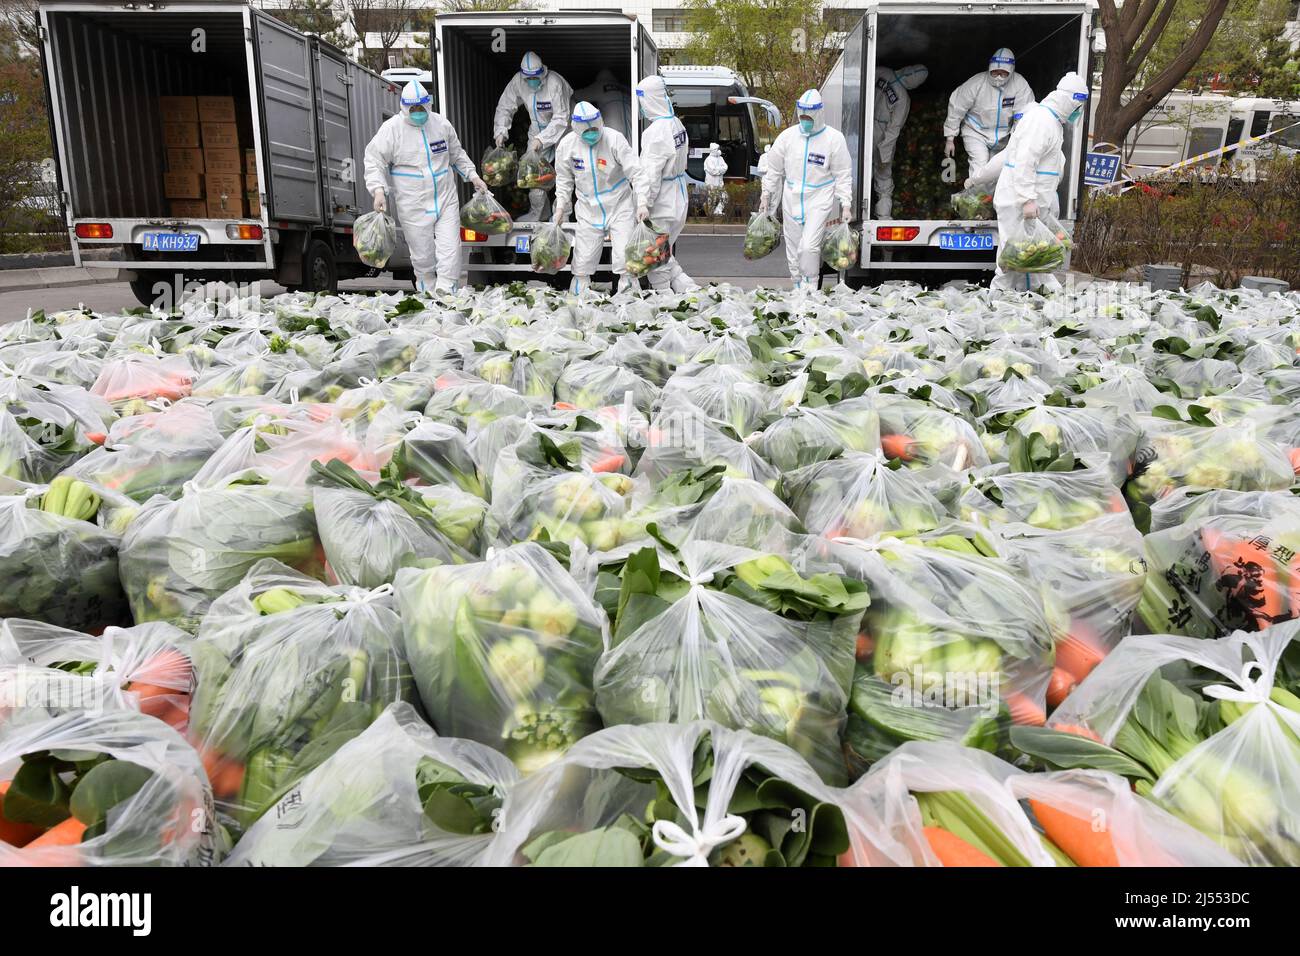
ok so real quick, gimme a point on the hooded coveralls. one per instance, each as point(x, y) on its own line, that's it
point(892, 105)
point(664, 152)
point(982, 108)
point(548, 115)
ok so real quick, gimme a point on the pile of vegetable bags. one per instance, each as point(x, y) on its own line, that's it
point(513, 577)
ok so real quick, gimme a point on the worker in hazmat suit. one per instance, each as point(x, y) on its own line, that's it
point(715, 167)
point(1049, 197)
point(981, 109)
point(762, 160)
point(612, 98)
point(809, 166)
point(598, 164)
point(546, 96)
point(414, 153)
point(664, 151)
point(893, 102)
point(1031, 173)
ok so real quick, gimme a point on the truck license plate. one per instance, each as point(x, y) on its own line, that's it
point(521, 243)
point(171, 242)
point(966, 240)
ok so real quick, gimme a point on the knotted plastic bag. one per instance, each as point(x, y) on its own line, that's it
point(647, 250)
point(535, 171)
point(374, 236)
point(483, 213)
point(840, 247)
point(550, 248)
point(762, 236)
point(1031, 247)
point(499, 166)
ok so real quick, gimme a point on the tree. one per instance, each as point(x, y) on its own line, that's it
point(1237, 53)
point(380, 24)
point(25, 225)
point(19, 27)
point(1133, 32)
point(779, 47)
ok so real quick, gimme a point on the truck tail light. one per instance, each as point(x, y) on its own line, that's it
point(469, 235)
point(243, 230)
point(94, 230)
point(897, 233)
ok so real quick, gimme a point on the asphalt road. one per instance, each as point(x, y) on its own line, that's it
point(708, 258)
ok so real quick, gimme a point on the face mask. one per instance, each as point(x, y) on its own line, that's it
point(998, 81)
point(1075, 116)
point(806, 125)
point(419, 119)
point(534, 83)
point(591, 136)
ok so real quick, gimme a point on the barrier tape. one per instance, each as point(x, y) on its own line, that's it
point(1130, 182)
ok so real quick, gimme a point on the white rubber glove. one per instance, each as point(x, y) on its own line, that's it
point(381, 201)
point(560, 213)
point(477, 182)
point(949, 147)
point(642, 213)
point(535, 144)
point(968, 183)
point(500, 139)
point(846, 212)
point(1030, 210)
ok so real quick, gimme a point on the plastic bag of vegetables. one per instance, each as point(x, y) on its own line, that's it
point(1218, 747)
point(56, 564)
point(550, 248)
point(974, 202)
point(647, 250)
point(860, 495)
point(1054, 500)
point(503, 651)
point(689, 794)
point(484, 214)
point(374, 236)
point(499, 166)
point(1031, 247)
point(762, 236)
point(288, 670)
point(101, 788)
point(805, 435)
point(535, 171)
point(177, 557)
point(698, 636)
point(840, 247)
point(396, 795)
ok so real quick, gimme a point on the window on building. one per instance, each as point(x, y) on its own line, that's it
point(670, 20)
point(842, 19)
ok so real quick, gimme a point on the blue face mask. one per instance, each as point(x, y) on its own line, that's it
point(534, 83)
point(591, 136)
point(806, 126)
point(1074, 117)
point(419, 119)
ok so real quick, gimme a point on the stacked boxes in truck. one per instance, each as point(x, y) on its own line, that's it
point(208, 141)
point(954, 40)
point(474, 57)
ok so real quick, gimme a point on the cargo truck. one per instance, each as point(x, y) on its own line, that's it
point(954, 40)
point(475, 54)
point(227, 77)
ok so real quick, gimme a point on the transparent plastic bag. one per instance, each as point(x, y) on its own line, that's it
point(503, 652)
point(374, 236)
point(803, 436)
point(648, 249)
point(1052, 500)
point(499, 166)
point(535, 171)
point(676, 795)
point(762, 236)
point(288, 670)
point(858, 496)
point(133, 792)
point(549, 250)
point(1232, 768)
point(129, 384)
point(1032, 247)
point(483, 213)
point(974, 202)
point(840, 247)
point(395, 795)
point(712, 655)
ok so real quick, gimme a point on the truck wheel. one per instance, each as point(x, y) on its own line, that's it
point(143, 288)
point(319, 273)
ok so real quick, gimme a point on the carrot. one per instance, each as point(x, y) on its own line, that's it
point(565, 407)
point(952, 850)
point(1025, 711)
point(1078, 731)
point(97, 438)
point(1291, 453)
point(609, 463)
point(1079, 651)
point(1059, 687)
point(866, 645)
point(15, 834)
point(1117, 503)
point(170, 669)
point(1230, 556)
point(67, 833)
point(224, 773)
point(1076, 836)
point(897, 446)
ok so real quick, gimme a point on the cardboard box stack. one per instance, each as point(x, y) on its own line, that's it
point(208, 174)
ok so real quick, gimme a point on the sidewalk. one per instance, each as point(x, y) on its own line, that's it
point(54, 277)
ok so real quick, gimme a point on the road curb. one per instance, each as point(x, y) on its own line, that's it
point(54, 277)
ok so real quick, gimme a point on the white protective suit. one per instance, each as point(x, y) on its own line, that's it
point(715, 167)
point(664, 151)
point(893, 103)
point(1031, 173)
point(548, 116)
point(415, 164)
point(981, 108)
point(762, 160)
point(814, 174)
point(612, 98)
point(610, 187)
